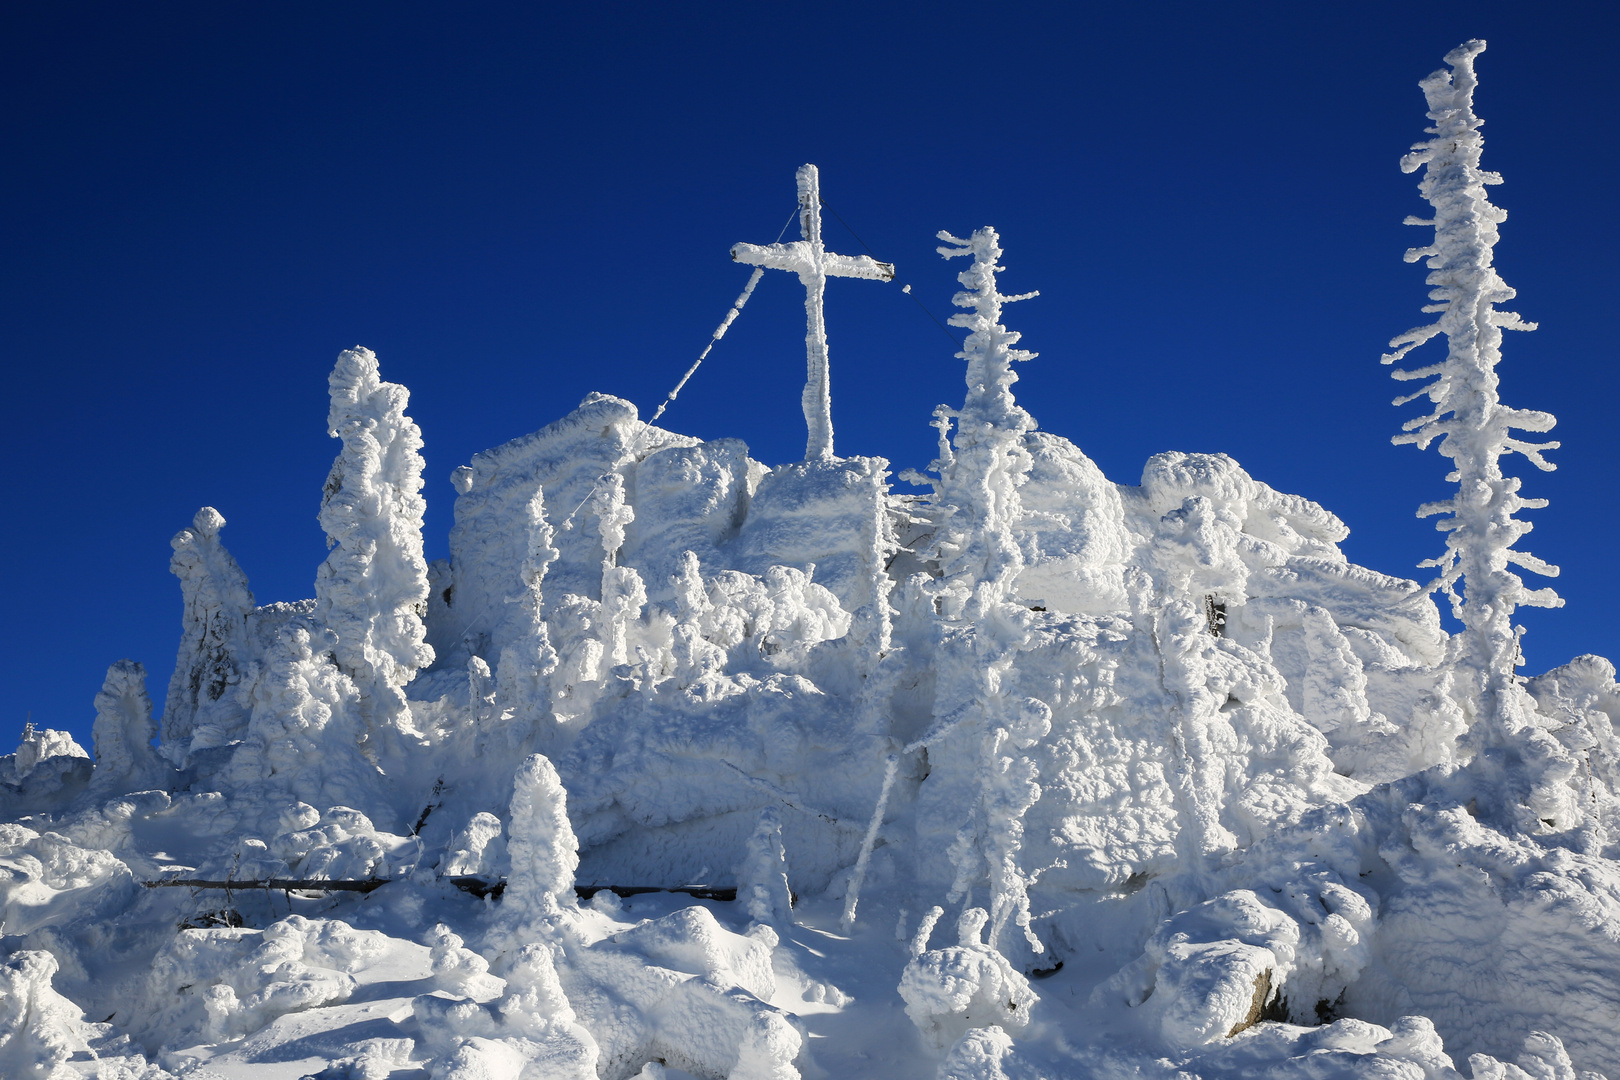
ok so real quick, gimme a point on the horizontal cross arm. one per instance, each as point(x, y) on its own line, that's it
point(794, 256)
point(857, 266)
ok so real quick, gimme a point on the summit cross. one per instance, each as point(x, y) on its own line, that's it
point(814, 264)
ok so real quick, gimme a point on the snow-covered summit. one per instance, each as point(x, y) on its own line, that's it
point(1032, 774)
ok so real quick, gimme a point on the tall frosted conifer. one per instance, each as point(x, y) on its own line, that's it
point(372, 589)
point(217, 602)
point(977, 498)
point(527, 663)
point(981, 474)
point(1469, 422)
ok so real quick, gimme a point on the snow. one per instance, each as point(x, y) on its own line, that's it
point(1033, 774)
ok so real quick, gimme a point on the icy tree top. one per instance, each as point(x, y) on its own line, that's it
point(981, 473)
point(989, 348)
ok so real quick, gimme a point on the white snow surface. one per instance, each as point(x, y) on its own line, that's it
point(1032, 775)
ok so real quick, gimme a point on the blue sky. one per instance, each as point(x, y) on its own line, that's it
point(514, 205)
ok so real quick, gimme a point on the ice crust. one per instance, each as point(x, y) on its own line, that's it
point(1190, 793)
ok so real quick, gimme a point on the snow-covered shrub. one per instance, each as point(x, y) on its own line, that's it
point(530, 1031)
point(306, 736)
point(222, 984)
point(762, 882)
point(477, 850)
point(339, 844)
point(968, 985)
point(460, 971)
point(977, 1055)
point(36, 868)
point(1212, 970)
point(40, 1030)
point(684, 989)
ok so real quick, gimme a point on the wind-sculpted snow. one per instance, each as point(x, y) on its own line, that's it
point(1025, 773)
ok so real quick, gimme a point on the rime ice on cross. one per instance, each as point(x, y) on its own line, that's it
point(814, 264)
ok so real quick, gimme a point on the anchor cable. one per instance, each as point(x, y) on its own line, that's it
point(903, 288)
point(719, 332)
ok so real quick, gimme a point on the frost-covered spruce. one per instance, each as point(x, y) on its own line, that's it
point(1471, 425)
point(623, 594)
point(372, 589)
point(976, 506)
point(543, 849)
point(216, 601)
point(979, 477)
point(762, 884)
point(123, 732)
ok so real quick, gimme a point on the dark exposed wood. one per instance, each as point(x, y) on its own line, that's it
point(701, 892)
point(478, 886)
point(481, 888)
point(283, 884)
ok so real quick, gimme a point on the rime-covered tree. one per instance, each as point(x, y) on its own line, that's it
point(981, 471)
point(977, 508)
point(372, 589)
point(123, 732)
point(528, 661)
point(1469, 422)
point(542, 845)
point(216, 601)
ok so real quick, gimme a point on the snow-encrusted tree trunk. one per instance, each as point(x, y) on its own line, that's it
point(1472, 426)
point(372, 589)
point(216, 601)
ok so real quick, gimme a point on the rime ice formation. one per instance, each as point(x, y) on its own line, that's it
point(1031, 774)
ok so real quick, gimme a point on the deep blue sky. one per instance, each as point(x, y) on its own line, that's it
point(514, 205)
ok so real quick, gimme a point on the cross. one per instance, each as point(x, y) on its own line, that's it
point(814, 264)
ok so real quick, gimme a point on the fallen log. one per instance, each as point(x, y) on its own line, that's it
point(481, 888)
point(476, 886)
